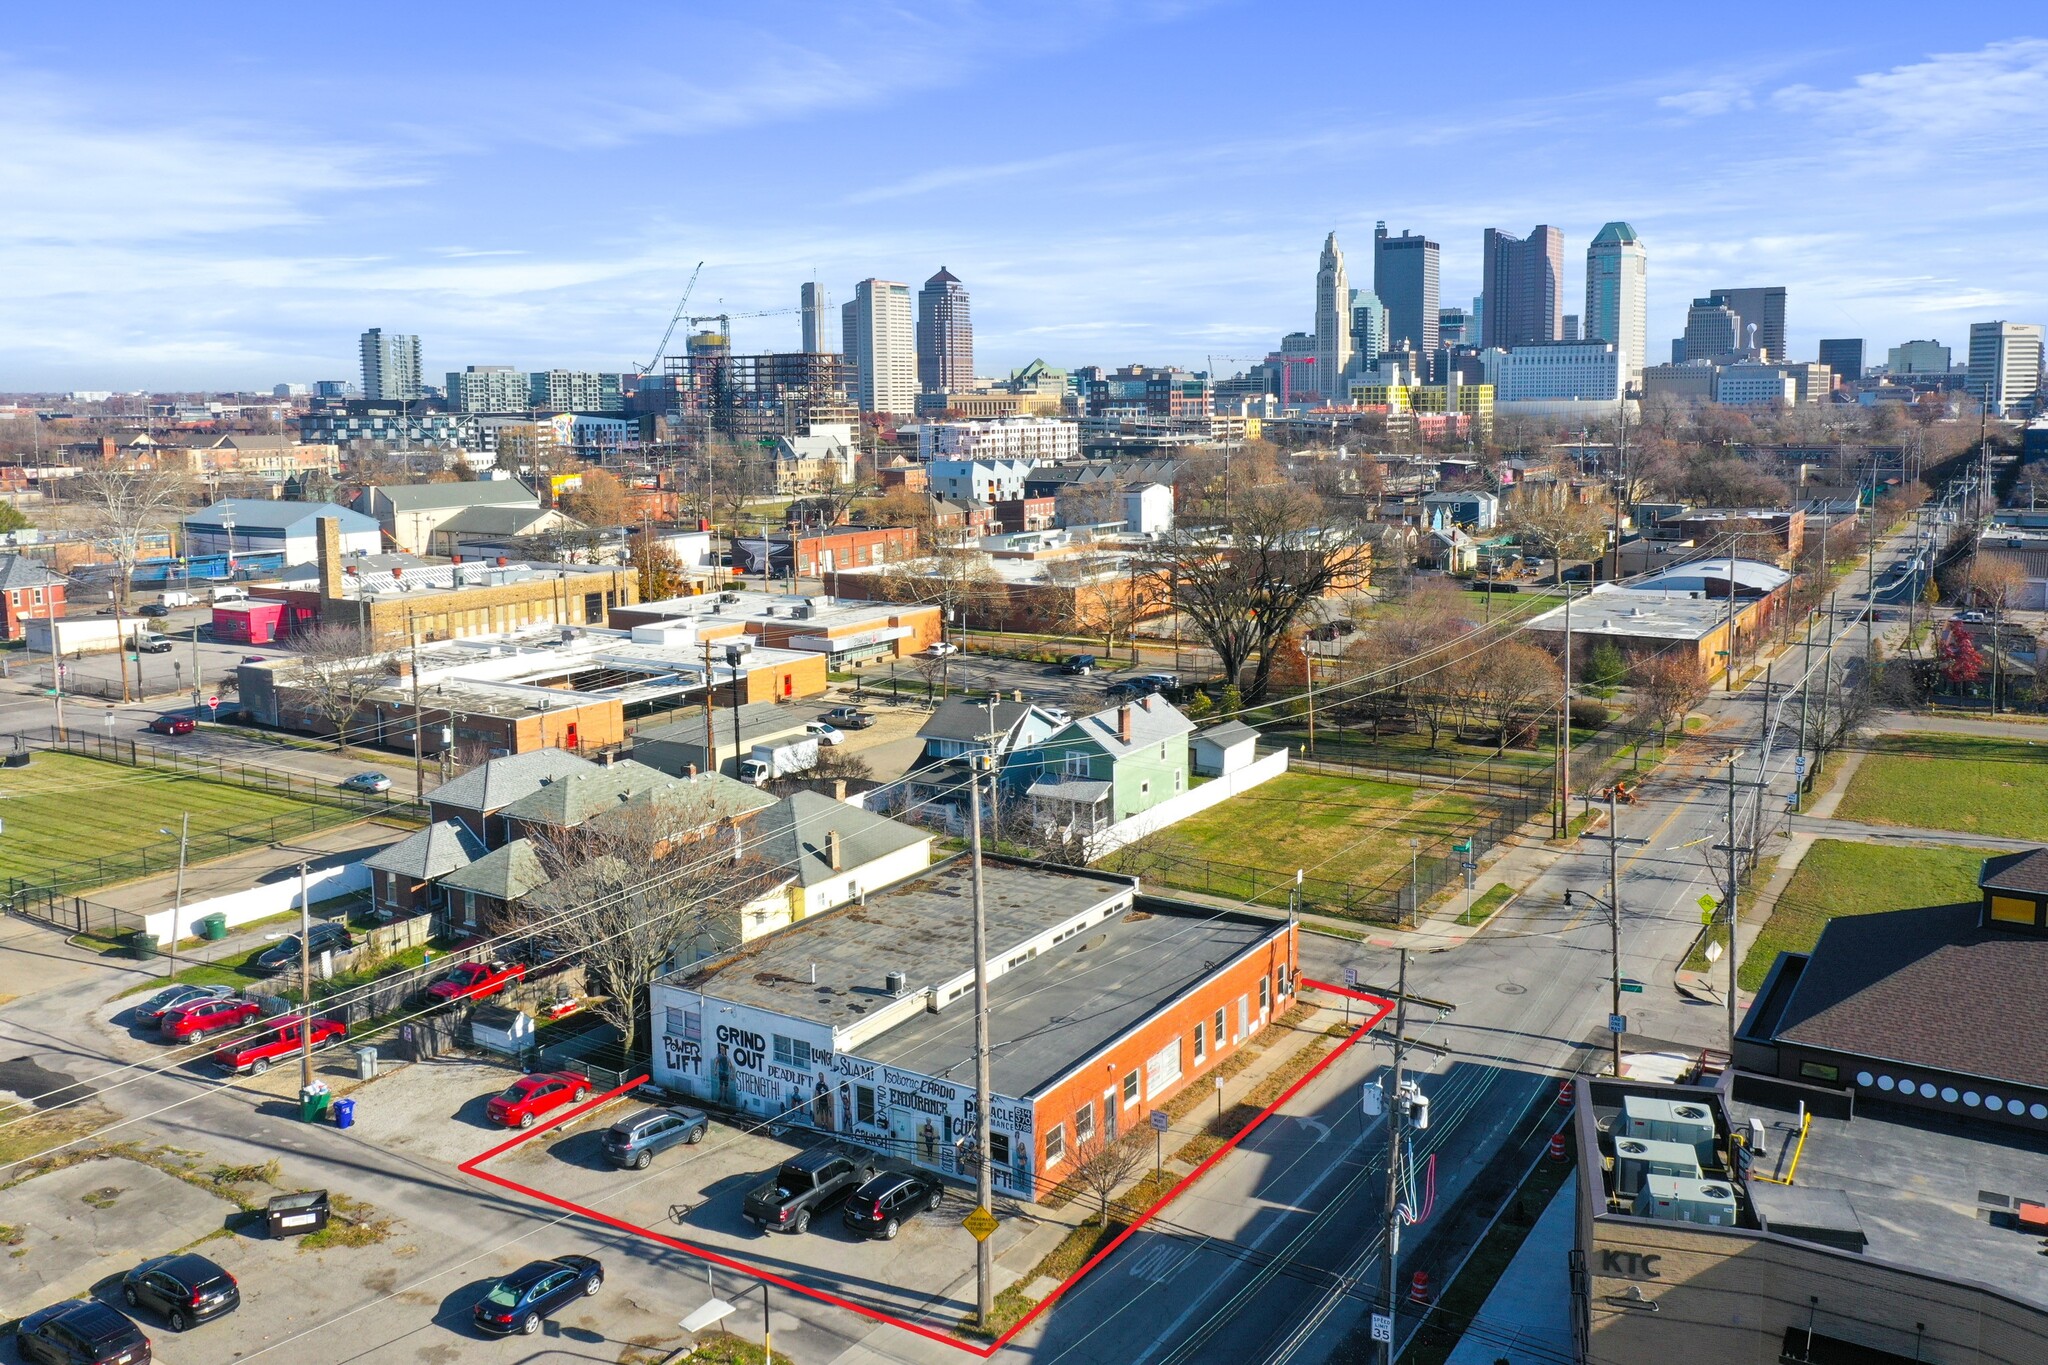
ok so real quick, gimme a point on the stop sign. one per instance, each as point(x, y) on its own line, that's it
point(213, 701)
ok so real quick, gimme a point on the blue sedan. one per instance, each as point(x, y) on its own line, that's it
point(522, 1299)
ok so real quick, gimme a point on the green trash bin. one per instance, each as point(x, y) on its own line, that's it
point(313, 1102)
point(213, 928)
point(142, 943)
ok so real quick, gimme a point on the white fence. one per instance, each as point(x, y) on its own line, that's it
point(241, 907)
point(1190, 802)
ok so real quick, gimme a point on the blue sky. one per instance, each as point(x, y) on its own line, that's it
point(222, 196)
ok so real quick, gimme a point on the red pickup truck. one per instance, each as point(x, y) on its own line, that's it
point(255, 1053)
point(474, 981)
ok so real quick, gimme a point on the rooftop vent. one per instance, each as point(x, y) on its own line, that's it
point(897, 983)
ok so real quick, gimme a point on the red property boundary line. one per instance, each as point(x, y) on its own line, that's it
point(474, 1167)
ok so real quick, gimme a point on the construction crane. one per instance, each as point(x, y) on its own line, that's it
point(724, 320)
point(675, 318)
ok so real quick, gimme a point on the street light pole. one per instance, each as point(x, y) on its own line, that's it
point(1614, 915)
point(305, 983)
point(984, 1187)
point(178, 896)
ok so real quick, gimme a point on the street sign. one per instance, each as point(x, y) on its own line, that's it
point(1799, 764)
point(1631, 987)
point(1351, 977)
point(980, 1222)
point(1469, 867)
point(1708, 905)
point(213, 701)
point(1462, 846)
point(1617, 1023)
point(1713, 952)
point(1382, 1327)
point(1160, 1122)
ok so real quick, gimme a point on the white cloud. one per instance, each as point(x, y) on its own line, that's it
point(1997, 91)
point(1708, 101)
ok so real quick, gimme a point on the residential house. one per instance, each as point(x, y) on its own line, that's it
point(962, 728)
point(1098, 770)
point(477, 896)
point(475, 799)
point(405, 877)
point(677, 749)
point(514, 531)
point(573, 801)
point(826, 854)
point(28, 592)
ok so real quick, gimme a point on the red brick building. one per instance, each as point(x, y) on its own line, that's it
point(28, 592)
point(1027, 514)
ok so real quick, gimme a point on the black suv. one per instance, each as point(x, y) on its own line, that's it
point(285, 956)
point(1079, 665)
point(634, 1140)
point(81, 1333)
point(880, 1207)
point(182, 1289)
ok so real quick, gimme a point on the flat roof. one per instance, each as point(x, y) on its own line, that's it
point(1608, 610)
point(922, 926)
point(1918, 1185)
point(1074, 999)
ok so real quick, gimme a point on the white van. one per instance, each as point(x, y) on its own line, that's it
point(230, 593)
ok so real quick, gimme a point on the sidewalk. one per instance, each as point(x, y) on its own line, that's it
point(1528, 1314)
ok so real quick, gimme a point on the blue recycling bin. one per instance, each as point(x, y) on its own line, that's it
point(344, 1113)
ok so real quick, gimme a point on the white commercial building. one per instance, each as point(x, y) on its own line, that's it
point(879, 332)
point(1555, 372)
point(1749, 385)
point(488, 388)
point(979, 480)
point(1617, 294)
point(1041, 440)
point(256, 526)
point(2005, 364)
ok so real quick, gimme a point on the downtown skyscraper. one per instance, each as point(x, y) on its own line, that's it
point(878, 335)
point(945, 336)
point(1618, 294)
point(1524, 286)
point(391, 365)
point(1405, 276)
point(1333, 321)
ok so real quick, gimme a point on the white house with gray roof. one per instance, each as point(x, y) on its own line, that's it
point(826, 854)
point(410, 513)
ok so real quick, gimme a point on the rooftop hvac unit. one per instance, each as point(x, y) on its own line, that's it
point(1680, 1200)
point(1635, 1159)
point(1686, 1121)
point(897, 981)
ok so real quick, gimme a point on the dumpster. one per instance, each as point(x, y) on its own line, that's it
point(213, 928)
point(366, 1063)
point(142, 944)
point(293, 1215)
point(344, 1113)
point(313, 1102)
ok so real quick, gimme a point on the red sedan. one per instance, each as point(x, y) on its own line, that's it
point(208, 1016)
point(475, 981)
point(529, 1097)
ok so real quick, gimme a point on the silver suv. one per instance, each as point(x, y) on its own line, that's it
point(633, 1141)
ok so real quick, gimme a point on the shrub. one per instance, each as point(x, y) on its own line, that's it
point(1589, 715)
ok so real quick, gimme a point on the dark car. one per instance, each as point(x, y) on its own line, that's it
point(1128, 689)
point(1080, 665)
point(518, 1302)
point(183, 1290)
point(326, 936)
point(849, 718)
point(634, 1140)
point(81, 1332)
point(174, 725)
point(806, 1183)
point(150, 1013)
point(880, 1207)
point(154, 609)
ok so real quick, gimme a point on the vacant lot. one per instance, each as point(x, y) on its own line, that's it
point(1837, 877)
point(1338, 828)
point(1965, 782)
point(65, 808)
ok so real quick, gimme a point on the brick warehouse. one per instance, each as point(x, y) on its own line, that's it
point(1103, 1004)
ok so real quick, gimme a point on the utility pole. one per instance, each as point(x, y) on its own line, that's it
point(1564, 726)
point(121, 637)
point(419, 771)
point(984, 1191)
point(57, 667)
point(710, 735)
point(305, 983)
point(1393, 1215)
point(1614, 915)
point(1734, 916)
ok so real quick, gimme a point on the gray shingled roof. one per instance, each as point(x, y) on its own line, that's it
point(503, 874)
point(966, 720)
point(417, 497)
point(1083, 791)
point(1229, 733)
point(570, 800)
point(2023, 872)
point(502, 781)
point(19, 571)
point(1154, 720)
point(1931, 988)
point(793, 836)
point(514, 519)
point(435, 851)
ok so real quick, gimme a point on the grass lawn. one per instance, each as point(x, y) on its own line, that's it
point(1339, 828)
point(1838, 877)
point(63, 808)
point(1965, 782)
point(1483, 908)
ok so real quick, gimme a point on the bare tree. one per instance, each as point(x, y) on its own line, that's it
point(1516, 678)
point(338, 668)
point(1245, 583)
point(1559, 527)
point(1104, 1167)
point(638, 887)
point(599, 499)
point(124, 507)
point(1667, 686)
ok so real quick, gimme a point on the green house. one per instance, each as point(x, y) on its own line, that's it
point(1099, 770)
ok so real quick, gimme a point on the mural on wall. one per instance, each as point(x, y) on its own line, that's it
point(748, 1064)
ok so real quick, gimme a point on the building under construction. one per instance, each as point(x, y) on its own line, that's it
point(749, 398)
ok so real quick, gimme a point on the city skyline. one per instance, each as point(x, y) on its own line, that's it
point(208, 246)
